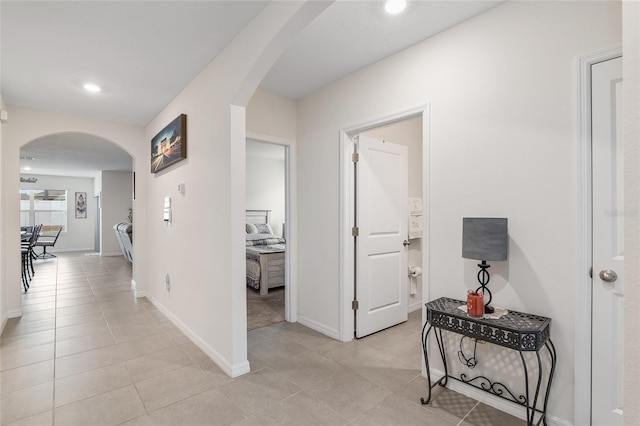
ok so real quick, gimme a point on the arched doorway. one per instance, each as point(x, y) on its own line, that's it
point(28, 126)
point(79, 168)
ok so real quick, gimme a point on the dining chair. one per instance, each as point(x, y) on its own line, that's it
point(47, 240)
point(27, 253)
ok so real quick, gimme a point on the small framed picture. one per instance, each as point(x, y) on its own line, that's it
point(81, 205)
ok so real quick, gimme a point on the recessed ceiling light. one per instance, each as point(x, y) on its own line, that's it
point(90, 87)
point(393, 7)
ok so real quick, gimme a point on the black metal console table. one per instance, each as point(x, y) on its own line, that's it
point(515, 330)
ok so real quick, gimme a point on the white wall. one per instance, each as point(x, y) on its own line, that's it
point(272, 114)
point(408, 133)
point(501, 88)
point(265, 181)
point(208, 292)
point(80, 232)
point(3, 272)
point(117, 195)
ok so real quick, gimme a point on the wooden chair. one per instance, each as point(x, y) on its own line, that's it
point(48, 240)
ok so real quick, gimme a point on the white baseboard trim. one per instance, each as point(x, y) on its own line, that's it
point(229, 369)
point(320, 328)
point(15, 313)
point(494, 401)
point(136, 292)
point(111, 254)
point(415, 307)
point(55, 250)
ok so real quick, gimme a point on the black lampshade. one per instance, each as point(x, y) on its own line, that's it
point(484, 238)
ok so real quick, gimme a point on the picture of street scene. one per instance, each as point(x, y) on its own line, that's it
point(169, 146)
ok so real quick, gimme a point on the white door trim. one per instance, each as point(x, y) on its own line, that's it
point(582, 416)
point(290, 223)
point(347, 204)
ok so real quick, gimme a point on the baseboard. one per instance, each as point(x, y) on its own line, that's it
point(111, 254)
point(15, 313)
point(229, 369)
point(67, 250)
point(320, 328)
point(415, 307)
point(138, 293)
point(494, 401)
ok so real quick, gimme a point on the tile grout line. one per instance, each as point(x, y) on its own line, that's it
point(55, 345)
point(470, 411)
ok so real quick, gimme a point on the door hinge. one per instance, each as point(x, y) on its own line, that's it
point(355, 231)
point(354, 305)
point(355, 157)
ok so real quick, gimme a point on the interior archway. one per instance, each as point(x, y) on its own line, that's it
point(82, 168)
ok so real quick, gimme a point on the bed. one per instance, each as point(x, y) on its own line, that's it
point(265, 253)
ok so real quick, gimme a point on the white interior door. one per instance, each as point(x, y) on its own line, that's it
point(381, 218)
point(608, 244)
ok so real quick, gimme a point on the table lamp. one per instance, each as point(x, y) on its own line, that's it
point(484, 239)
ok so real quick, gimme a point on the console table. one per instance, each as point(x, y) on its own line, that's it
point(515, 330)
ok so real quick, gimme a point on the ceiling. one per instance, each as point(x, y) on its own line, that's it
point(49, 49)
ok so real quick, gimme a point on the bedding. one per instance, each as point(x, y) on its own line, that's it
point(265, 258)
point(263, 240)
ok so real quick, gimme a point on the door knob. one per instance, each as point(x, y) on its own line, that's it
point(406, 243)
point(608, 275)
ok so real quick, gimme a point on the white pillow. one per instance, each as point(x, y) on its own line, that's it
point(251, 228)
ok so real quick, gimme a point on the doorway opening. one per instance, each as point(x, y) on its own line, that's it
point(77, 166)
point(269, 235)
point(409, 128)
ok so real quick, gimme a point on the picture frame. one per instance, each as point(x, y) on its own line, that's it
point(170, 144)
point(81, 205)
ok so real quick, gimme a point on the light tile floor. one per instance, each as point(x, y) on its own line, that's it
point(86, 352)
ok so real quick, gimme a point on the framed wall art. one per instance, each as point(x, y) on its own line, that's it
point(81, 205)
point(170, 145)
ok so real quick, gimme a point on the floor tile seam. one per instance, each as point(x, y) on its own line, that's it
point(469, 413)
point(9, 350)
point(29, 416)
point(229, 401)
point(137, 337)
point(135, 382)
point(55, 343)
point(317, 401)
point(87, 397)
point(397, 388)
point(110, 364)
point(144, 405)
point(11, 330)
point(93, 370)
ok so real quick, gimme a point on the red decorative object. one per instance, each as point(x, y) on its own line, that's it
point(475, 304)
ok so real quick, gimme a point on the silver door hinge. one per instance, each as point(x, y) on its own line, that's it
point(355, 157)
point(355, 231)
point(354, 305)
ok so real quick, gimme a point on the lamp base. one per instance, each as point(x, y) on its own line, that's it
point(488, 309)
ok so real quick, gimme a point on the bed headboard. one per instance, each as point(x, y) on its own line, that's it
point(258, 216)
